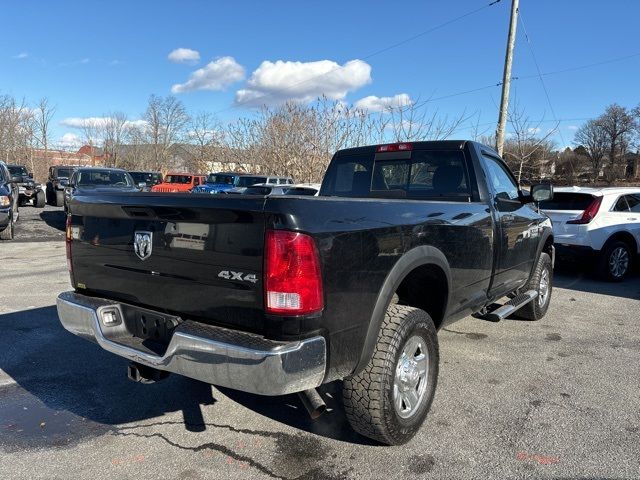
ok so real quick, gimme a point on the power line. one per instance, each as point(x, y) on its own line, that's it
point(580, 67)
point(544, 87)
point(373, 54)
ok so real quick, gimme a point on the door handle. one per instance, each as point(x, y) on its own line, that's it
point(633, 219)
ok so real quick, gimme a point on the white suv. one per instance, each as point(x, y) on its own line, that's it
point(601, 222)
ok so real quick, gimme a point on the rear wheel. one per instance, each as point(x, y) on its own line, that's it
point(389, 400)
point(39, 201)
point(59, 198)
point(542, 282)
point(615, 261)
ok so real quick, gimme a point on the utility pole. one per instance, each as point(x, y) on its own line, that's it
point(506, 77)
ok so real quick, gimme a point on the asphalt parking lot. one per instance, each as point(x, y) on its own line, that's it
point(551, 399)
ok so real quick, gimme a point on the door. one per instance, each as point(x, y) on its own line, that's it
point(625, 215)
point(517, 229)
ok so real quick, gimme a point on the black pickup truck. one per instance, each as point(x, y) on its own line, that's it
point(281, 294)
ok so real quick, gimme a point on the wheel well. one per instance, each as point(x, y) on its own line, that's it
point(548, 245)
point(425, 287)
point(625, 237)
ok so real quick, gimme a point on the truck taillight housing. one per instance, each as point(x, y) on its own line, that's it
point(589, 213)
point(394, 147)
point(68, 240)
point(292, 276)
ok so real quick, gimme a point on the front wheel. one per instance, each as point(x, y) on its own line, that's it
point(59, 198)
point(542, 282)
point(39, 201)
point(389, 400)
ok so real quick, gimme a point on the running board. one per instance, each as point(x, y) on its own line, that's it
point(500, 312)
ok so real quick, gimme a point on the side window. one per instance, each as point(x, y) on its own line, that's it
point(196, 180)
point(621, 204)
point(502, 183)
point(634, 203)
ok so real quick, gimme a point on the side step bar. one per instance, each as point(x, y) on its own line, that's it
point(516, 303)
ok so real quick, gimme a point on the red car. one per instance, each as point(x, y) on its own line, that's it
point(179, 182)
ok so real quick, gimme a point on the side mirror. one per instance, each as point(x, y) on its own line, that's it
point(541, 192)
point(31, 176)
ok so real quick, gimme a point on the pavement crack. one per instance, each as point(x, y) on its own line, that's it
point(282, 439)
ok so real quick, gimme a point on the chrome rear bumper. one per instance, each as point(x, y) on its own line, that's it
point(214, 355)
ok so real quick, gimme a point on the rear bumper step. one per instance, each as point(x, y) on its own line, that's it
point(214, 355)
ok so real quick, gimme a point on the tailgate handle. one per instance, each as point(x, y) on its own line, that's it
point(140, 212)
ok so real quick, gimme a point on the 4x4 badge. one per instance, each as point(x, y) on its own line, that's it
point(142, 244)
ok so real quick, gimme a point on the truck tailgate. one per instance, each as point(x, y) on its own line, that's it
point(204, 262)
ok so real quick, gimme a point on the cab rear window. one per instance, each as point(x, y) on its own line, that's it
point(568, 201)
point(422, 174)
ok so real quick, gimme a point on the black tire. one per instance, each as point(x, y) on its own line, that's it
point(615, 261)
point(39, 200)
point(49, 195)
point(7, 233)
point(59, 198)
point(543, 274)
point(368, 397)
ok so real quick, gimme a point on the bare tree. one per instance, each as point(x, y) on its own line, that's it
point(618, 125)
point(16, 130)
point(528, 152)
point(205, 134)
point(114, 131)
point(592, 137)
point(166, 121)
point(43, 114)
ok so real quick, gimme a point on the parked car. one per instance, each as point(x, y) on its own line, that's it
point(312, 189)
point(146, 180)
point(96, 181)
point(225, 182)
point(56, 183)
point(29, 191)
point(264, 189)
point(179, 182)
point(279, 294)
point(8, 202)
point(598, 223)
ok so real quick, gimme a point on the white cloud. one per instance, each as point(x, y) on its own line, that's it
point(184, 55)
point(572, 127)
point(380, 104)
point(98, 122)
point(21, 56)
point(82, 61)
point(216, 75)
point(273, 83)
point(69, 140)
point(534, 130)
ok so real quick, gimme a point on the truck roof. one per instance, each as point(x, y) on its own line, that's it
point(422, 145)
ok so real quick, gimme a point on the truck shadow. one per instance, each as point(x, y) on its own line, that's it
point(79, 390)
point(54, 218)
point(580, 277)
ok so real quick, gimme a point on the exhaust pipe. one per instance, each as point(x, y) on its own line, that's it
point(313, 402)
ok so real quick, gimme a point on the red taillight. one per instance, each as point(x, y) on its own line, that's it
point(589, 214)
point(292, 277)
point(395, 147)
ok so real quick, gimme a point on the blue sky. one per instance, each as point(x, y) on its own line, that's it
point(91, 58)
